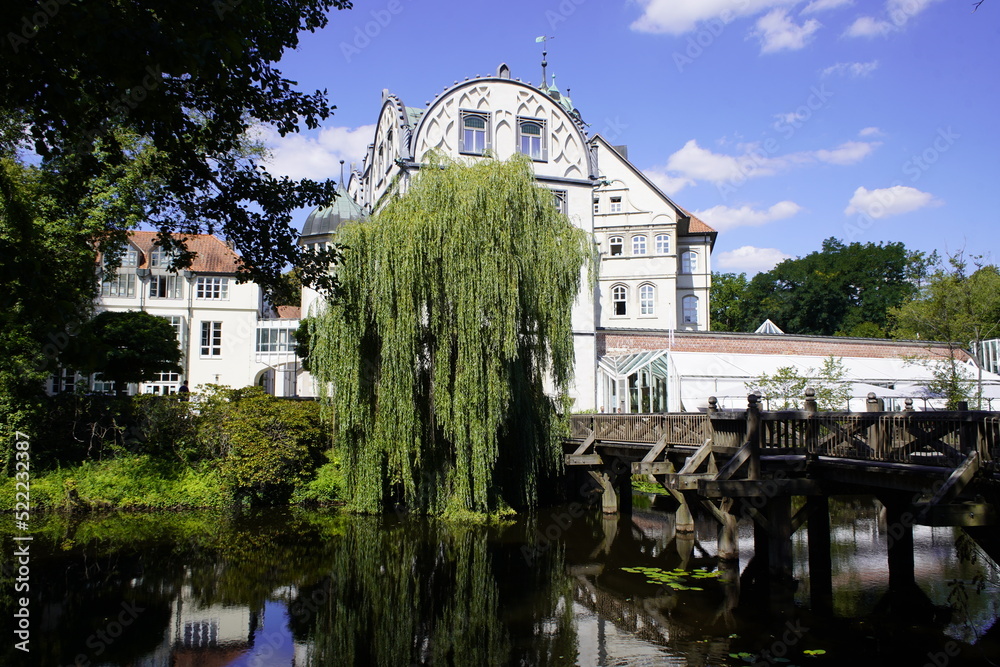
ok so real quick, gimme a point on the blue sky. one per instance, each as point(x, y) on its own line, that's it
point(780, 123)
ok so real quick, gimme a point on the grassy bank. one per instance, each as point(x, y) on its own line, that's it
point(142, 482)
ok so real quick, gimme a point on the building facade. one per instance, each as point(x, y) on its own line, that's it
point(227, 332)
point(655, 258)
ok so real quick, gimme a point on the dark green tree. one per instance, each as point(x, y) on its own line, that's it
point(125, 347)
point(844, 290)
point(189, 79)
point(727, 299)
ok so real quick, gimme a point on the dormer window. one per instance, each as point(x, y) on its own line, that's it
point(616, 245)
point(475, 128)
point(616, 204)
point(160, 258)
point(531, 138)
point(130, 257)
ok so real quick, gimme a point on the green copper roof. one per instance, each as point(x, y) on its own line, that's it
point(326, 219)
point(413, 115)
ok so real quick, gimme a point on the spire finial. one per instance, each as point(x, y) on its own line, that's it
point(341, 173)
point(544, 39)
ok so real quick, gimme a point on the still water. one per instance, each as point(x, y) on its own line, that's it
point(298, 587)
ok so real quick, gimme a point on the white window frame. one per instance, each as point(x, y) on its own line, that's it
point(597, 205)
point(647, 299)
point(616, 204)
point(619, 297)
point(160, 258)
point(172, 286)
point(177, 322)
point(120, 286)
point(689, 261)
point(639, 244)
point(212, 288)
point(539, 143)
point(271, 339)
point(486, 130)
point(616, 241)
point(662, 244)
point(689, 306)
point(211, 339)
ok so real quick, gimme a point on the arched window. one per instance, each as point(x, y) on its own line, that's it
point(662, 244)
point(475, 128)
point(619, 298)
point(647, 299)
point(689, 262)
point(616, 245)
point(531, 138)
point(690, 304)
point(639, 245)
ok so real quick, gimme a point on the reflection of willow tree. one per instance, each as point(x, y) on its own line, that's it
point(456, 301)
point(422, 593)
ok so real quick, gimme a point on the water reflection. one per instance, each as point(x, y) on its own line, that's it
point(316, 588)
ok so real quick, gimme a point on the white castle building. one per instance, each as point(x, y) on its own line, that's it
point(655, 257)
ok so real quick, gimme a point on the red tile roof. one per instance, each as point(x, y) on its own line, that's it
point(211, 254)
point(697, 225)
point(289, 312)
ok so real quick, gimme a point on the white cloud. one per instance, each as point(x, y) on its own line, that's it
point(853, 70)
point(749, 259)
point(824, 5)
point(887, 202)
point(778, 32)
point(849, 152)
point(676, 17)
point(870, 132)
point(724, 218)
point(693, 163)
point(897, 14)
point(317, 157)
point(866, 26)
point(667, 183)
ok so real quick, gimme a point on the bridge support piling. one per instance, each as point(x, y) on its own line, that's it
point(820, 563)
point(899, 537)
point(683, 519)
point(779, 555)
point(729, 549)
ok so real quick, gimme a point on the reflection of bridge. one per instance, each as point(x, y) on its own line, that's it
point(931, 468)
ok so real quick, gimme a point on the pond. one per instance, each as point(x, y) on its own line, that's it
point(562, 587)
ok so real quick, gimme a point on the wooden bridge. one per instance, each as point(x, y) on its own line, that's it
point(929, 468)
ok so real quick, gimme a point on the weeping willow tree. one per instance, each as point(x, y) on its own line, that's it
point(455, 307)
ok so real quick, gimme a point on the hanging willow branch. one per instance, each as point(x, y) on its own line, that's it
point(456, 304)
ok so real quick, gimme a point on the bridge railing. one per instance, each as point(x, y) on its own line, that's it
point(927, 438)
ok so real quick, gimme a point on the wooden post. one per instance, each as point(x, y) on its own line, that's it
point(966, 431)
point(820, 562)
point(877, 440)
point(899, 537)
point(683, 520)
point(779, 516)
point(810, 431)
point(908, 405)
point(753, 437)
point(729, 546)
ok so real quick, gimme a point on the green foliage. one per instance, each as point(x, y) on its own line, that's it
point(325, 488)
point(959, 309)
point(125, 347)
point(456, 304)
point(835, 291)
point(727, 300)
point(785, 388)
point(129, 482)
point(269, 445)
point(189, 79)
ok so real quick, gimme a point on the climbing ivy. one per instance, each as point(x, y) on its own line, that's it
point(456, 308)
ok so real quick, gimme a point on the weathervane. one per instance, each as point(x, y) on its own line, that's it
point(543, 39)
